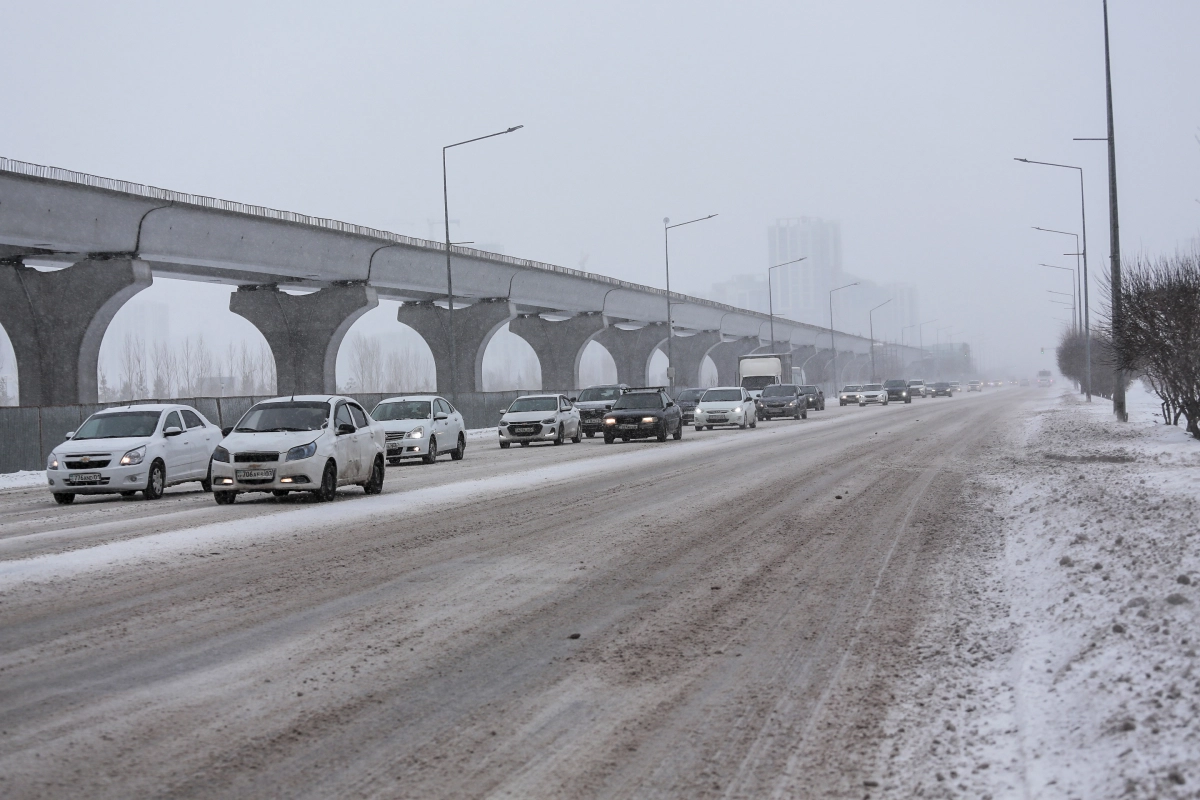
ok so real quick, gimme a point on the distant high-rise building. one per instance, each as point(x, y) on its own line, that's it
point(801, 291)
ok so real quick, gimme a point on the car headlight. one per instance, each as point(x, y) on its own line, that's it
point(904, 394)
point(737, 410)
point(416, 433)
point(609, 421)
point(134, 456)
point(550, 421)
point(301, 452)
point(52, 462)
point(649, 419)
point(792, 403)
point(221, 454)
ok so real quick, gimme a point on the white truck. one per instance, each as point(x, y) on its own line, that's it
point(760, 370)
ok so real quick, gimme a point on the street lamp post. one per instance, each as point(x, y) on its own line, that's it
point(771, 294)
point(871, 322)
point(449, 274)
point(667, 261)
point(1072, 296)
point(832, 344)
point(1077, 323)
point(1077, 254)
point(1087, 328)
point(921, 340)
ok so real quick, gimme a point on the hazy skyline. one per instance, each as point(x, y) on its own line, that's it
point(900, 122)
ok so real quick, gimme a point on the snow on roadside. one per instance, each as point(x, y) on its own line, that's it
point(24, 479)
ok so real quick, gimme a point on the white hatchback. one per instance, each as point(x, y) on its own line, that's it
point(312, 443)
point(539, 418)
point(421, 426)
point(136, 448)
point(725, 405)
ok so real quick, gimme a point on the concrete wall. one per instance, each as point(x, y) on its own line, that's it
point(28, 433)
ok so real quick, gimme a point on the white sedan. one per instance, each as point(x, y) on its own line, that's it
point(872, 393)
point(539, 418)
point(421, 426)
point(725, 405)
point(312, 443)
point(134, 448)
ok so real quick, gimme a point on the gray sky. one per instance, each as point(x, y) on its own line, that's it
point(898, 119)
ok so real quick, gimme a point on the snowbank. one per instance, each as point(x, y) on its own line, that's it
point(22, 480)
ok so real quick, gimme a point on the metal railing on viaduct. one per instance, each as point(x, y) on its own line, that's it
point(113, 237)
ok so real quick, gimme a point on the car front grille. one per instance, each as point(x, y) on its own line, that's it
point(395, 436)
point(91, 463)
point(246, 458)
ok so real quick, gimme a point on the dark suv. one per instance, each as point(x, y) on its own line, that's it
point(941, 389)
point(814, 397)
point(687, 401)
point(781, 400)
point(594, 402)
point(898, 390)
point(642, 413)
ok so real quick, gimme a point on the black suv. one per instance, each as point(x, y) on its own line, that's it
point(782, 400)
point(642, 413)
point(687, 401)
point(594, 402)
point(814, 396)
point(897, 390)
point(941, 389)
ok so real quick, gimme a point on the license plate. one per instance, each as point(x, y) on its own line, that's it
point(255, 474)
point(524, 431)
point(716, 419)
point(84, 477)
point(625, 426)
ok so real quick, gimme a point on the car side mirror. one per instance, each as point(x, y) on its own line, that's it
point(504, 411)
point(345, 428)
point(70, 434)
point(172, 431)
point(573, 399)
point(227, 430)
point(441, 415)
point(670, 403)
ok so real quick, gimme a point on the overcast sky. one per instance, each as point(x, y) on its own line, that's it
point(901, 120)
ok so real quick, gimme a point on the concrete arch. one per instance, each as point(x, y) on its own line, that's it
point(510, 363)
point(596, 365)
point(380, 354)
point(474, 327)
point(10, 375)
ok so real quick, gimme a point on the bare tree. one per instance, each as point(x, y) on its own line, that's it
point(195, 363)
point(133, 368)
point(165, 363)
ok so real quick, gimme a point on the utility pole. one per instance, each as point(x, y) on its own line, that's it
point(871, 320)
point(1114, 231)
point(667, 264)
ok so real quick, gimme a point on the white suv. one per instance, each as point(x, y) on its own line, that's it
point(312, 443)
point(134, 448)
point(420, 426)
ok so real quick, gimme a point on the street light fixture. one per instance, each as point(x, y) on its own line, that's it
point(832, 344)
point(1087, 329)
point(1077, 254)
point(667, 260)
point(449, 274)
point(1077, 325)
point(871, 322)
point(771, 294)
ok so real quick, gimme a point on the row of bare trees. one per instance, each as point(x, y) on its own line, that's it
point(375, 367)
point(1072, 362)
point(1158, 333)
point(189, 368)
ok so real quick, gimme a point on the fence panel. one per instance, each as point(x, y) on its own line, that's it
point(20, 439)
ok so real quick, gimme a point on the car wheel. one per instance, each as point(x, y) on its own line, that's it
point(591, 434)
point(624, 438)
point(156, 482)
point(393, 462)
point(281, 492)
point(375, 484)
point(743, 423)
point(662, 433)
point(862, 405)
point(559, 439)
point(64, 498)
point(754, 420)
point(710, 427)
point(804, 414)
point(128, 494)
point(461, 450)
point(431, 454)
point(206, 484)
point(699, 428)
point(505, 445)
point(909, 400)
point(328, 483)
point(224, 498)
point(524, 444)
point(578, 437)
point(678, 431)
point(609, 439)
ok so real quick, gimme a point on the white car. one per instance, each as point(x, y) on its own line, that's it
point(849, 394)
point(974, 386)
point(421, 426)
point(725, 405)
point(134, 448)
point(539, 418)
point(312, 443)
point(873, 393)
point(916, 388)
point(956, 386)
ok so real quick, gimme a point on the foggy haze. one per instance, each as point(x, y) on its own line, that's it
point(898, 121)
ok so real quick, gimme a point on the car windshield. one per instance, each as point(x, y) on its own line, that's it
point(721, 396)
point(639, 400)
point(293, 415)
point(895, 384)
point(533, 404)
point(118, 425)
point(808, 389)
point(872, 387)
point(941, 386)
point(692, 395)
point(852, 389)
point(780, 390)
point(404, 409)
point(916, 383)
point(599, 394)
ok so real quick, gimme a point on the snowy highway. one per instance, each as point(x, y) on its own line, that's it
point(714, 617)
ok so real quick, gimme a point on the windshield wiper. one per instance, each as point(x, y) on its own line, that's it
point(246, 430)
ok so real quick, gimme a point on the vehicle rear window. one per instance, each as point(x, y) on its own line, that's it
point(721, 396)
point(852, 389)
point(192, 419)
point(598, 394)
point(809, 389)
point(117, 425)
point(872, 387)
point(780, 390)
point(690, 395)
point(291, 415)
point(533, 404)
point(639, 400)
point(895, 384)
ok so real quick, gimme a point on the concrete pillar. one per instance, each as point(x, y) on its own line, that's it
point(725, 356)
point(56, 321)
point(801, 355)
point(632, 350)
point(559, 345)
point(304, 331)
point(689, 352)
point(474, 327)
